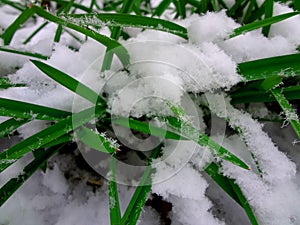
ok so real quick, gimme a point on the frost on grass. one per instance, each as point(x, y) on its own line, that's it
point(272, 191)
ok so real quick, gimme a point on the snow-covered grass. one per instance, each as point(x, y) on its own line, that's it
point(165, 99)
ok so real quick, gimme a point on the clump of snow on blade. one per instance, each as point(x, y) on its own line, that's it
point(212, 27)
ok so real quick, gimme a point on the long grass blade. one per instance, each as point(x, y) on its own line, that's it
point(25, 53)
point(24, 110)
point(285, 66)
point(262, 23)
point(117, 20)
point(69, 82)
point(114, 206)
point(15, 183)
point(146, 128)
point(289, 112)
point(10, 125)
point(95, 140)
point(47, 135)
point(10, 31)
point(111, 44)
point(140, 195)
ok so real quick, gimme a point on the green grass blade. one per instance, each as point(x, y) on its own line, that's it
point(14, 184)
point(146, 128)
point(68, 82)
point(10, 125)
point(269, 4)
point(111, 44)
point(115, 34)
point(245, 203)
point(58, 33)
point(47, 135)
point(213, 171)
point(20, 52)
point(286, 66)
point(202, 139)
point(95, 140)
point(290, 114)
point(230, 12)
point(262, 23)
point(139, 197)
point(114, 206)
point(180, 8)
point(18, 109)
point(161, 8)
point(27, 40)
point(10, 31)
point(262, 96)
point(117, 20)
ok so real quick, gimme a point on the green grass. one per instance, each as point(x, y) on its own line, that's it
point(261, 80)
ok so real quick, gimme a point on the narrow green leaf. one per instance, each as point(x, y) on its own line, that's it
point(191, 133)
point(95, 140)
point(117, 20)
point(285, 66)
point(111, 44)
point(161, 8)
point(18, 109)
point(213, 171)
point(47, 135)
point(10, 125)
point(69, 82)
point(269, 4)
point(140, 195)
point(262, 23)
point(180, 7)
point(58, 33)
point(245, 203)
point(10, 31)
point(115, 34)
point(35, 32)
point(248, 96)
point(146, 128)
point(25, 53)
point(14, 184)
point(114, 206)
point(290, 114)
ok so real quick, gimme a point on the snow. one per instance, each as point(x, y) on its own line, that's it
point(164, 68)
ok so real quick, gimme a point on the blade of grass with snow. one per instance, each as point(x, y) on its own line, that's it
point(285, 66)
point(146, 128)
point(14, 184)
point(47, 135)
point(10, 31)
point(111, 44)
point(10, 125)
point(69, 82)
point(262, 23)
point(161, 8)
point(95, 140)
point(114, 206)
point(19, 109)
point(24, 53)
point(290, 114)
point(138, 200)
point(117, 20)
